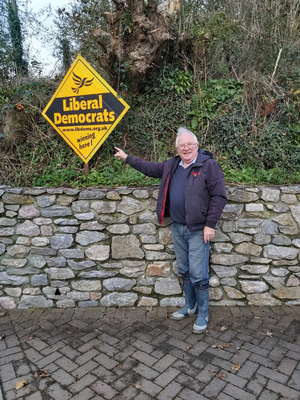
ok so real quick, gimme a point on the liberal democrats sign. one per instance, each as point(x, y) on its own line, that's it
point(84, 109)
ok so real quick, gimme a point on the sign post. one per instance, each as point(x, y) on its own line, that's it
point(84, 110)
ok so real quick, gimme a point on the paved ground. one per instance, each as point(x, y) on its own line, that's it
point(136, 353)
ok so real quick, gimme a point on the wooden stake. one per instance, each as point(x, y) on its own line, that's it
point(276, 64)
point(86, 169)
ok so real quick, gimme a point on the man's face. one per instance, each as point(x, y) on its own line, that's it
point(187, 148)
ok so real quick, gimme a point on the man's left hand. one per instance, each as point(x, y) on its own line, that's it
point(208, 234)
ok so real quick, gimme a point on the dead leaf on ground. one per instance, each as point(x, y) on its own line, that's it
point(2, 337)
point(217, 346)
point(189, 347)
point(236, 367)
point(31, 337)
point(221, 375)
point(256, 317)
point(42, 373)
point(228, 344)
point(223, 328)
point(138, 385)
point(21, 384)
point(20, 107)
point(269, 334)
point(213, 372)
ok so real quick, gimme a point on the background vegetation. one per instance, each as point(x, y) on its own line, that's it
point(230, 71)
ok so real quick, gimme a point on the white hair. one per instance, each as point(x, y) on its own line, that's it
point(182, 130)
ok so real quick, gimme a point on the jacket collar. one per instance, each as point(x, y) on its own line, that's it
point(202, 156)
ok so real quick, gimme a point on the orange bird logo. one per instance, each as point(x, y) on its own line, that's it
point(79, 82)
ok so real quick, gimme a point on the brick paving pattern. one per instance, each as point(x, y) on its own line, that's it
point(248, 353)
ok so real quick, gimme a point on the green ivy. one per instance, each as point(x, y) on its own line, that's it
point(206, 105)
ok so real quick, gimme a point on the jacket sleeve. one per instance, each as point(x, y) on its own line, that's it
point(217, 191)
point(152, 169)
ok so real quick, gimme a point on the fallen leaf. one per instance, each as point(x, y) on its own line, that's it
point(236, 367)
point(223, 328)
point(228, 344)
point(42, 373)
point(238, 348)
point(2, 337)
point(189, 347)
point(31, 337)
point(222, 375)
point(21, 384)
point(213, 371)
point(217, 346)
point(138, 385)
point(269, 334)
point(256, 317)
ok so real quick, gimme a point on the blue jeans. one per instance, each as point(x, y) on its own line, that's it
point(192, 253)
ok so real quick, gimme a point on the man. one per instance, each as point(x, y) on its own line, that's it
point(192, 193)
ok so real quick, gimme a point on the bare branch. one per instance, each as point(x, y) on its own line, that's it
point(277, 61)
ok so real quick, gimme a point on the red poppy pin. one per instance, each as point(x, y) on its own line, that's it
point(195, 173)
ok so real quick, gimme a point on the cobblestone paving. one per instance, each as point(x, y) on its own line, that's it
point(137, 353)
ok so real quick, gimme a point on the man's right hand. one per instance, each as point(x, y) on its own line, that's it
point(120, 154)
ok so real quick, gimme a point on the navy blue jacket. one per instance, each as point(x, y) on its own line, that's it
point(205, 194)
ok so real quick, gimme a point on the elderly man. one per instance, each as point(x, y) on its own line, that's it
point(192, 193)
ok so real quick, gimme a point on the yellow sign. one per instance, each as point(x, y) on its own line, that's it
point(84, 109)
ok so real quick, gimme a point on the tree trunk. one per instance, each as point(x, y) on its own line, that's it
point(135, 39)
point(16, 38)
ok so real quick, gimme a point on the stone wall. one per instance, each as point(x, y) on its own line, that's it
point(103, 247)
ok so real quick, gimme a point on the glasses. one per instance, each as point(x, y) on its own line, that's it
point(186, 145)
